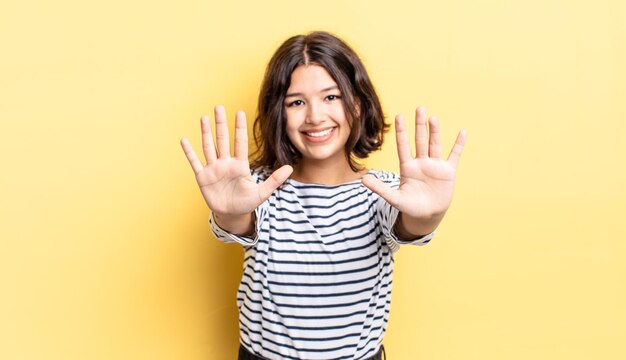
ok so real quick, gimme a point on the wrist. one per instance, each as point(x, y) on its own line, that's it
point(240, 225)
point(408, 227)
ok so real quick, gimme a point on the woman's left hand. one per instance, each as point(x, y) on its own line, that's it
point(426, 180)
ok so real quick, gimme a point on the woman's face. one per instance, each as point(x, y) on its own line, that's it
point(316, 120)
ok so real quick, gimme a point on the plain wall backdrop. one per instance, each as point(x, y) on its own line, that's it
point(105, 250)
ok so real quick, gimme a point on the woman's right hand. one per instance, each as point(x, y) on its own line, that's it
point(225, 182)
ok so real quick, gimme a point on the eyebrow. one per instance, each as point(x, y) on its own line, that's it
point(334, 87)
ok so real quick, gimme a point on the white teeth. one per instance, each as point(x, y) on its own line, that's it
point(320, 133)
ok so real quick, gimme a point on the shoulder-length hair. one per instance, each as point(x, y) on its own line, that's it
point(362, 106)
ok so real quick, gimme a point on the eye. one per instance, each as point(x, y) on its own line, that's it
point(333, 97)
point(295, 103)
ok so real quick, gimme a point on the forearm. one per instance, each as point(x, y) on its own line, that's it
point(408, 228)
point(240, 225)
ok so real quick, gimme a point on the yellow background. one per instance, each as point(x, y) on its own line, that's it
point(105, 250)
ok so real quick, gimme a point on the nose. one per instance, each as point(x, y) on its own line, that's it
point(315, 113)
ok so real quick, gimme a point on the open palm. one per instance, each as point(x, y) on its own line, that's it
point(225, 181)
point(426, 180)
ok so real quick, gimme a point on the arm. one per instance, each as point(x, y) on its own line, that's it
point(240, 225)
point(426, 180)
point(408, 228)
point(225, 182)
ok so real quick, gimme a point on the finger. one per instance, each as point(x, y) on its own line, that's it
point(390, 195)
point(434, 142)
point(274, 181)
point(402, 140)
point(421, 133)
point(208, 147)
point(455, 154)
point(195, 163)
point(221, 133)
point(241, 136)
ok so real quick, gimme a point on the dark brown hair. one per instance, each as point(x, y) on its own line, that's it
point(360, 101)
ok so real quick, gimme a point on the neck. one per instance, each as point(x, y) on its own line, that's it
point(325, 172)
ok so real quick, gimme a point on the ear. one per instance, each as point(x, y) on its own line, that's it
point(357, 107)
point(357, 113)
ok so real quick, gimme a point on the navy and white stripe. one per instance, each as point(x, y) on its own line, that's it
point(318, 273)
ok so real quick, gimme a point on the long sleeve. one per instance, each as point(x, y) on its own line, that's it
point(261, 213)
point(387, 216)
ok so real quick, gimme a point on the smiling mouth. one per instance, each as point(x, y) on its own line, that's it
point(320, 134)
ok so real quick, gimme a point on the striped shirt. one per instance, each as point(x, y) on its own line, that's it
point(317, 274)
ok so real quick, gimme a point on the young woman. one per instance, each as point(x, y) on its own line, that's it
point(318, 229)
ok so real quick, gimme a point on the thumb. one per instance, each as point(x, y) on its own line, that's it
point(390, 195)
point(278, 177)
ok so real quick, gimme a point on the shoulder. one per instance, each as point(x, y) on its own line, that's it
point(387, 177)
point(260, 174)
